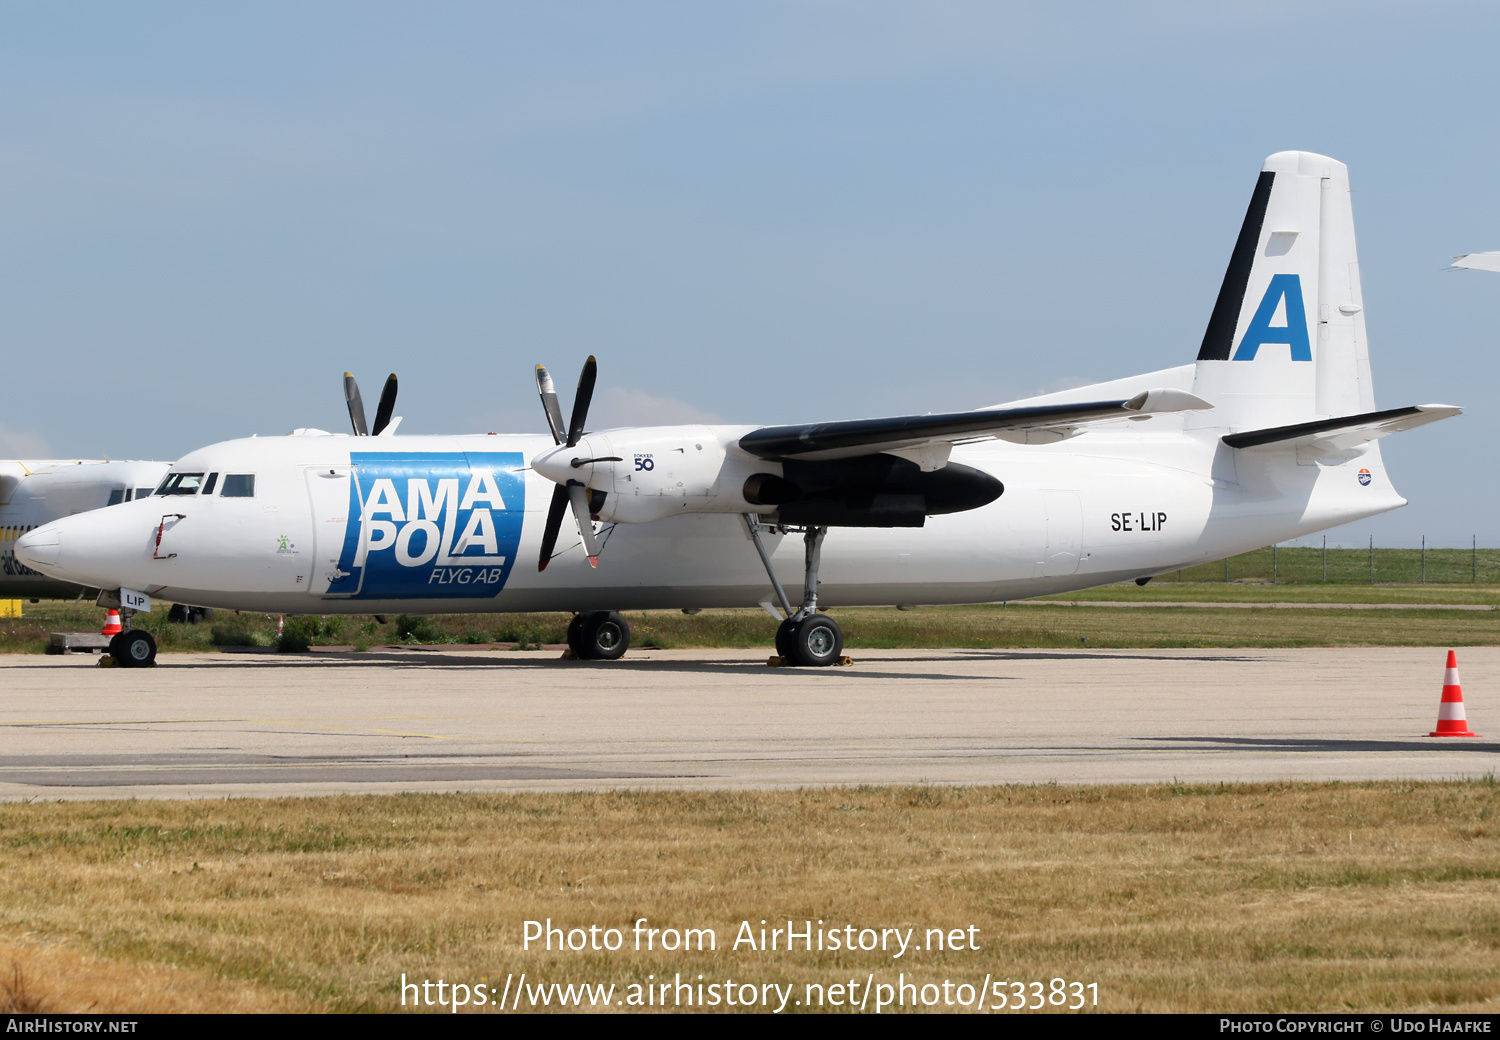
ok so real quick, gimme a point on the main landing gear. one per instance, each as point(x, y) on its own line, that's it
point(805, 637)
point(598, 635)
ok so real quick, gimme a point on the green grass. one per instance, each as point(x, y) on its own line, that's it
point(1350, 566)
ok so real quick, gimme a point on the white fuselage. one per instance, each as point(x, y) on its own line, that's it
point(321, 533)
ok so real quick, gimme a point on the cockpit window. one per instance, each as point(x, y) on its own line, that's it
point(208, 486)
point(238, 485)
point(117, 496)
point(141, 493)
point(180, 484)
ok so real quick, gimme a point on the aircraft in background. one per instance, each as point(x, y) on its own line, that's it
point(1477, 262)
point(35, 492)
point(1271, 433)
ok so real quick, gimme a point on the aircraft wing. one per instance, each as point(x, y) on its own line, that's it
point(1343, 432)
point(1478, 261)
point(926, 439)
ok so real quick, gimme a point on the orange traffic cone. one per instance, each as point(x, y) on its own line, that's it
point(112, 626)
point(1451, 721)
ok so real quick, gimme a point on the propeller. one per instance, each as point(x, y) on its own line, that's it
point(383, 410)
point(573, 493)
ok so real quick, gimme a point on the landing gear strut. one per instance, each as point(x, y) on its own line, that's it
point(805, 637)
point(598, 635)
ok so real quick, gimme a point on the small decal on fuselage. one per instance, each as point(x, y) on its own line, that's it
point(1364, 477)
point(444, 525)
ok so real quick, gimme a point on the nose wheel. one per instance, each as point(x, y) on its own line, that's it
point(133, 649)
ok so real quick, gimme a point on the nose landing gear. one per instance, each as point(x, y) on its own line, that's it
point(132, 649)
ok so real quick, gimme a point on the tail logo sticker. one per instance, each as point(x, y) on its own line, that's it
point(1364, 478)
point(1283, 301)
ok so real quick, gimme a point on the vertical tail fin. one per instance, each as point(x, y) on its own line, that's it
point(1286, 340)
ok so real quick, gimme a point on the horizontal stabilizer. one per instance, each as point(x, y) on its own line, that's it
point(838, 440)
point(1343, 432)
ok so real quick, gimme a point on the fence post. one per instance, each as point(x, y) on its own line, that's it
point(1474, 558)
point(1424, 559)
point(1372, 559)
point(1325, 559)
point(1226, 568)
point(1275, 574)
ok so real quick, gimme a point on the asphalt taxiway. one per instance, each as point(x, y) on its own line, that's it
point(214, 725)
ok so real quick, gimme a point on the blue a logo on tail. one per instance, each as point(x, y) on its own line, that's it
point(1286, 287)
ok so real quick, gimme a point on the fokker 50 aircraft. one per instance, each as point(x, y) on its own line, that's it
point(1270, 434)
point(33, 493)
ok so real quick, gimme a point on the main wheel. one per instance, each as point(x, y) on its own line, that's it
point(602, 636)
point(786, 632)
point(134, 649)
point(575, 634)
point(817, 641)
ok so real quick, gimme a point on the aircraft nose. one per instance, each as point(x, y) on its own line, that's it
point(40, 549)
point(101, 545)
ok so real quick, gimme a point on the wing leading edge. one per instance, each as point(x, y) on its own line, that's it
point(925, 438)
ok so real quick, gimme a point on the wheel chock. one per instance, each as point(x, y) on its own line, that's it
point(106, 660)
point(776, 661)
point(845, 662)
point(568, 655)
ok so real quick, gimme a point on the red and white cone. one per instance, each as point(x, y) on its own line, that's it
point(1451, 721)
point(112, 626)
point(281, 626)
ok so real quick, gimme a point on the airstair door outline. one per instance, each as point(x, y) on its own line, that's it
point(1064, 533)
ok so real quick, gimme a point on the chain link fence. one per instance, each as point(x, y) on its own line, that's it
point(1349, 566)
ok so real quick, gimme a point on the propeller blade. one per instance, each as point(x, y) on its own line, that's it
point(549, 404)
point(578, 495)
point(555, 513)
point(356, 405)
point(581, 401)
point(386, 407)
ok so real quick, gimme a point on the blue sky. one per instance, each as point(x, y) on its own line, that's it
point(762, 212)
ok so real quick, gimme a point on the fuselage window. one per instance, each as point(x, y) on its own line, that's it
point(208, 486)
point(180, 484)
point(238, 485)
point(142, 493)
point(117, 496)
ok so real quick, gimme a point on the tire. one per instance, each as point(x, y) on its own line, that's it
point(604, 636)
point(817, 642)
point(135, 649)
point(785, 634)
point(575, 634)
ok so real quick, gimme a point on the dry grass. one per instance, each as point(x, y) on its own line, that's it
point(1235, 897)
point(52, 978)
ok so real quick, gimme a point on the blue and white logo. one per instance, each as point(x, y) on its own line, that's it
point(1283, 299)
point(1364, 477)
point(439, 526)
